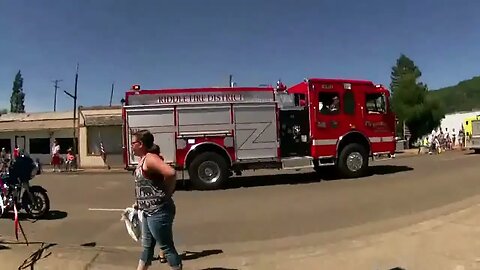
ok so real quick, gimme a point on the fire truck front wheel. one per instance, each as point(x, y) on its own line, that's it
point(208, 170)
point(353, 161)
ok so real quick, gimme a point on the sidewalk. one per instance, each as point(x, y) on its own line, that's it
point(446, 242)
point(47, 169)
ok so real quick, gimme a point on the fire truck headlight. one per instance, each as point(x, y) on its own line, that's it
point(228, 142)
point(181, 144)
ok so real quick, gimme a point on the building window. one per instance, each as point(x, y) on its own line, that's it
point(110, 136)
point(7, 144)
point(375, 103)
point(40, 146)
point(66, 143)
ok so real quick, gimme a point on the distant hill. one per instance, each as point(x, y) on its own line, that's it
point(465, 96)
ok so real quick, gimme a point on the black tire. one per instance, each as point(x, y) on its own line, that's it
point(213, 162)
point(355, 151)
point(39, 195)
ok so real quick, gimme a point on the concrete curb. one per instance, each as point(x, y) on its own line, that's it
point(88, 171)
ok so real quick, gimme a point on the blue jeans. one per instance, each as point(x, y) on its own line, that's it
point(158, 228)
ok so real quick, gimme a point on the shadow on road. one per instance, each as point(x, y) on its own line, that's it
point(329, 174)
point(56, 214)
point(388, 169)
point(52, 215)
point(38, 255)
point(193, 255)
point(218, 268)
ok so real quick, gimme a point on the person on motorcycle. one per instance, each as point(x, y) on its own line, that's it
point(21, 170)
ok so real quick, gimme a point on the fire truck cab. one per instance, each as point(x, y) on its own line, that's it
point(214, 132)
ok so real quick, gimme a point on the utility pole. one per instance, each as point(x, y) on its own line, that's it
point(231, 82)
point(55, 96)
point(74, 96)
point(111, 94)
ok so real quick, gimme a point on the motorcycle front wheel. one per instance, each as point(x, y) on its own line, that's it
point(40, 206)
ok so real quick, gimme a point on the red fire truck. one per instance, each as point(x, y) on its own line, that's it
point(215, 132)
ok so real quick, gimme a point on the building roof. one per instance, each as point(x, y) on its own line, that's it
point(11, 117)
point(100, 107)
point(90, 116)
point(103, 120)
point(36, 121)
point(101, 116)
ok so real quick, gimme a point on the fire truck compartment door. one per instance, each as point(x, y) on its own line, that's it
point(160, 122)
point(256, 131)
point(204, 119)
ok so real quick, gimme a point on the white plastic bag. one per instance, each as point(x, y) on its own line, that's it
point(133, 222)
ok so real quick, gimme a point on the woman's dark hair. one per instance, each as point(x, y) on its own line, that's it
point(155, 150)
point(146, 138)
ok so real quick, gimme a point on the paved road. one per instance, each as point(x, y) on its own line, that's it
point(260, 207)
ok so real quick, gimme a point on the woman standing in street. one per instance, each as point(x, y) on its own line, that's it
point(154, 185)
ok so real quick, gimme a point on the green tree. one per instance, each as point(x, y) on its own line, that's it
point(411, 101)
point(17, 99)
point(464, 96)
point(404, 66)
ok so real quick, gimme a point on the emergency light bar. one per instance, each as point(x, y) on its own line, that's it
point(136, 87)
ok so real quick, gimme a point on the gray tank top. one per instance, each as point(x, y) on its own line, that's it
point(150, 193)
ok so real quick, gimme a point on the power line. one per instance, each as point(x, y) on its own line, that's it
point(55, 95)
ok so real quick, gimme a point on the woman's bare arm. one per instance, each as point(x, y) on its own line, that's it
point(155, 163)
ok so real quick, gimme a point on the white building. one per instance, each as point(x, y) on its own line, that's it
point(35, 132)
point(455, 120)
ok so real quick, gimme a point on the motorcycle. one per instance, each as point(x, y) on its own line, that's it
point(15, 189)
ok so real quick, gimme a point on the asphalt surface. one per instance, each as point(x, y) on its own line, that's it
point(262, 207)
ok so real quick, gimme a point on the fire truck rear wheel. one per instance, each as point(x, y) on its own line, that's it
point(208, 171)
point(353, 161)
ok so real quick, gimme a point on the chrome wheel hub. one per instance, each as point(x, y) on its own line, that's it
point(354, 161)
point(209, 172)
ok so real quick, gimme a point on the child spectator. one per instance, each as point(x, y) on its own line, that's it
point(70, 159)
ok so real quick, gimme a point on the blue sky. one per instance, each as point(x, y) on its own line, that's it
point(199, 43)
